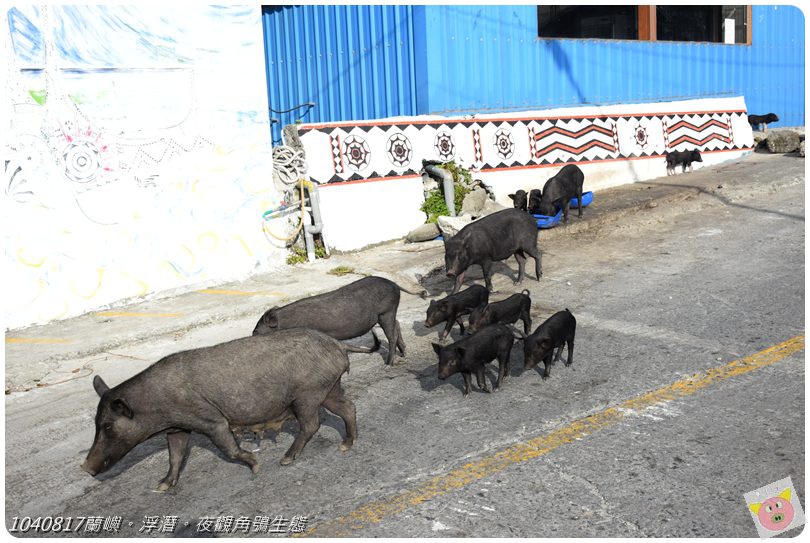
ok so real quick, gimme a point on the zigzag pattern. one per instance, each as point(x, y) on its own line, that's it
point(575, 150)
point(701, 142)
point(684, 131)
point(569, 133)
point(548, 140)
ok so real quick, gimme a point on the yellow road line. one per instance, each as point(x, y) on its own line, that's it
point(240, 292)
point(36, 340)
point(458, 478)
point(136, 314)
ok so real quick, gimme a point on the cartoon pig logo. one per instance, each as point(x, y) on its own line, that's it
point(775, 514)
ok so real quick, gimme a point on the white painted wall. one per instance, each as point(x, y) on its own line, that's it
point(138, 163)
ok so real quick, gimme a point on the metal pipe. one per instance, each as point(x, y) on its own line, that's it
point(440, 174)
point(317, 227)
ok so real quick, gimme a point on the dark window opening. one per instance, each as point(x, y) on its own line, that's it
point(714, 24)
point(709, 24)
point(600, 22)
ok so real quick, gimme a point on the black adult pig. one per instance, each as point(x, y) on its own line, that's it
point(471, 354)
point(347, 312)
point(452, 307)
point(507, 311)
point(494, 237)
point(558, 191)
point(554, 333)
point(250, 383)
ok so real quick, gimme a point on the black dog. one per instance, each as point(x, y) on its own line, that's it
point(757, 120)
point(684, 158)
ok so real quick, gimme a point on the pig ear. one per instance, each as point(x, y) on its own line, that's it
point(755, 507)
point(270, 318)
point(100, 386)
point(460, 351)
point(443, 306)
point(121, 407)
point(512, 196)
point(432, 303)
point(437, 348)
point(785, 495)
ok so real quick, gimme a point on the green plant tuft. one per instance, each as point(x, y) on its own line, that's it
point(341, 270)
point(462, 184)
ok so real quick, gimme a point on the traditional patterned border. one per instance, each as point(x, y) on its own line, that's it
point(497, 144)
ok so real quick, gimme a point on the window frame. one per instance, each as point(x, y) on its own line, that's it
point(648, 29)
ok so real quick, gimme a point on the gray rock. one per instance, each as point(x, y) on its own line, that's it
point(801, 148)
point(783, 141)
point(474, 202)
point(451, 225)
point(426, 232)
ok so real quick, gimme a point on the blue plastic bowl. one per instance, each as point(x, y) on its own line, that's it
point(545, 221)
point(587, 198)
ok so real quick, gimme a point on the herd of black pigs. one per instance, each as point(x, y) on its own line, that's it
point(296, 359)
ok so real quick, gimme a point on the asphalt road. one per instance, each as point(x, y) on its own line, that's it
point(659, 301)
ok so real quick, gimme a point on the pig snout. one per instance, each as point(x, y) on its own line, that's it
point(95, 467)
point(451, 274)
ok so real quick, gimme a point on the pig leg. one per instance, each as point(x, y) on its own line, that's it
point(481, 379)
point(558, 354)
point(527, 322)
point(223, 438)
point(486, 267)
point(459, 282)
point(341, 406)
point(447, 329)
point(460, 324)
point(521, 260)
point(308, 418)
point(467, 377)
point(178, 448)
point(547, 362)
point(388, 322)
point(536, 254)
point(503, 366)
point(565, 210)
point(579, 201)
point(400, 341)
point(570, 351)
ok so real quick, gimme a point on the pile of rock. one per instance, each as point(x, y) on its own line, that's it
point(476, 204)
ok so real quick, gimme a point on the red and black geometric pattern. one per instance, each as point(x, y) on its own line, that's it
point(337, 156)
point(478, 153)
point(503, 143)
point(400, 150)
point(573, 139)
point(445, 147)
point(357, 152)
point(706, 132)
point(394, 149)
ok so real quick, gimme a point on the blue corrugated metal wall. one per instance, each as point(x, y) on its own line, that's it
point(482, 58)
point(353, 62)
point(366, 62)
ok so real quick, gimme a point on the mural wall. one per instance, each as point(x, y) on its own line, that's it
point(136, 155)
point(612, 144)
